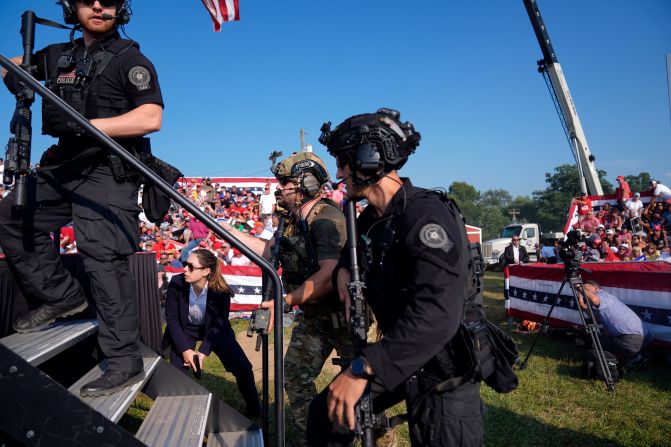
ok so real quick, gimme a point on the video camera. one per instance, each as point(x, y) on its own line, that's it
point(259, 323)
point(570, 253)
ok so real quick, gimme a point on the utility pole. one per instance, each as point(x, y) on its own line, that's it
point(302, 140)
point(514, 212)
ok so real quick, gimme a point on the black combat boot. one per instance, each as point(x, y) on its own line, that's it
point(110, 382)
point(46, 314)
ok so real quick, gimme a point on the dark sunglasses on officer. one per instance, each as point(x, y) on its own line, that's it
point(103, 3)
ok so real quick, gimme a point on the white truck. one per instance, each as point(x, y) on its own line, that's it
point(529, 234)
point(530, 238)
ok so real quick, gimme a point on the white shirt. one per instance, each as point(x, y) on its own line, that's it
point(197, 305)
point(663, 192)
point(516, 254)
point(240, 261)
point(634, 207)
point(267, 201)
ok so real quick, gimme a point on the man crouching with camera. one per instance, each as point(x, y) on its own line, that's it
point(625, 333)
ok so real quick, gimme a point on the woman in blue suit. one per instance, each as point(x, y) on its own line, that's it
point(197, 307)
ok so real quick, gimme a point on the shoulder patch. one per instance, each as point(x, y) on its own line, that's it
point(434, 236)
point(139, 76)
point(336, 240)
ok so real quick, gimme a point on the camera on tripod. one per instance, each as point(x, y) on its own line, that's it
point(572, 256)
point(570, 253)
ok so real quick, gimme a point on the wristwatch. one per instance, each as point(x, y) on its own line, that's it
point(358, 368)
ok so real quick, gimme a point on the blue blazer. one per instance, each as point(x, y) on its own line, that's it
point(218, 331)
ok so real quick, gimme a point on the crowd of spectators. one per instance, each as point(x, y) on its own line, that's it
point(251, 210)
point(628, 231)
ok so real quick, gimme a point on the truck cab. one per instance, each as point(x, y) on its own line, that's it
point(529, 234)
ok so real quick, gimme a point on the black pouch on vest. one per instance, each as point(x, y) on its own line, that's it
point(155, 202)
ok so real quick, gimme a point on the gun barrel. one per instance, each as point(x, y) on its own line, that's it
point(352, 241)
point(28, 36)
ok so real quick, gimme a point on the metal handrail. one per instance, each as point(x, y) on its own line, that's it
point(212, 224)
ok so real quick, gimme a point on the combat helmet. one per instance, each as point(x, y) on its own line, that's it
point(372, 144)
point(307, 168)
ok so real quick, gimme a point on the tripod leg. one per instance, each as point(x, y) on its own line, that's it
point(593, 330)
point(523, 364)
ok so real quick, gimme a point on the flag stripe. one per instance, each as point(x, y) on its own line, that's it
point(636, 275)
point(645, 287)
point(222, 11)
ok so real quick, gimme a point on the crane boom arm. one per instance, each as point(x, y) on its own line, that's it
point(589, 177)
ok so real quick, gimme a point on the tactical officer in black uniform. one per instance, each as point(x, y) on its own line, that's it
point(112, 84)
point(415, 270)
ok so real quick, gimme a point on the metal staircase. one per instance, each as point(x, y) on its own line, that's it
point(35, 409)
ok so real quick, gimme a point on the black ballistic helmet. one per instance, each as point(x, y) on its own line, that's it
point(372, 144)
point(123, 12)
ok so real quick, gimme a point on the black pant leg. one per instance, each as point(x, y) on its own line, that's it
point(236, 362)
point(451, 418)
point(106, 229)
point(27, 243)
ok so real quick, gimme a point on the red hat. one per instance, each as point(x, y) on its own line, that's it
point(658, 227)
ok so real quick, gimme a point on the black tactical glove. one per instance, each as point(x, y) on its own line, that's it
point(57, 124)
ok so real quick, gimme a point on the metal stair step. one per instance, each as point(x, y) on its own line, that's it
point(113, 406)
point(251, 438)
point(177, 421)
point(38, 347)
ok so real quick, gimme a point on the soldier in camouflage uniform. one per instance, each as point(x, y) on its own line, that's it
point(309, 249)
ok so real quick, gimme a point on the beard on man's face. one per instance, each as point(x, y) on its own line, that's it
point(92, 22)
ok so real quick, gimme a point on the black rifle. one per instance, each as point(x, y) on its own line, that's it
point(17, 157)
point(367, 420)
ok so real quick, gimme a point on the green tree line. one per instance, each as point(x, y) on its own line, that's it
point(491, 209)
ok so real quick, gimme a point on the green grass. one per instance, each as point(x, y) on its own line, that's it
point(553, 405)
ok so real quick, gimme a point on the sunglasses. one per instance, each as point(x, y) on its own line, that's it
point(284, 181)
point(190, 267)
point(516, 239)
point(103, 3)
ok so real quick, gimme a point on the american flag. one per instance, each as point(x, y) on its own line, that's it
point(246, 284)
point(643, 286)
point(222, 11)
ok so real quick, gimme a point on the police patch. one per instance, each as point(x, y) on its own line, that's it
point(434, 236)
point(139, 77)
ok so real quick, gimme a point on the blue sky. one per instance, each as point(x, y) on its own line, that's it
point(463, 72)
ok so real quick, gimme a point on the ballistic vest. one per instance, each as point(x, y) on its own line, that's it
point(74, 80)
point(297, 253)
